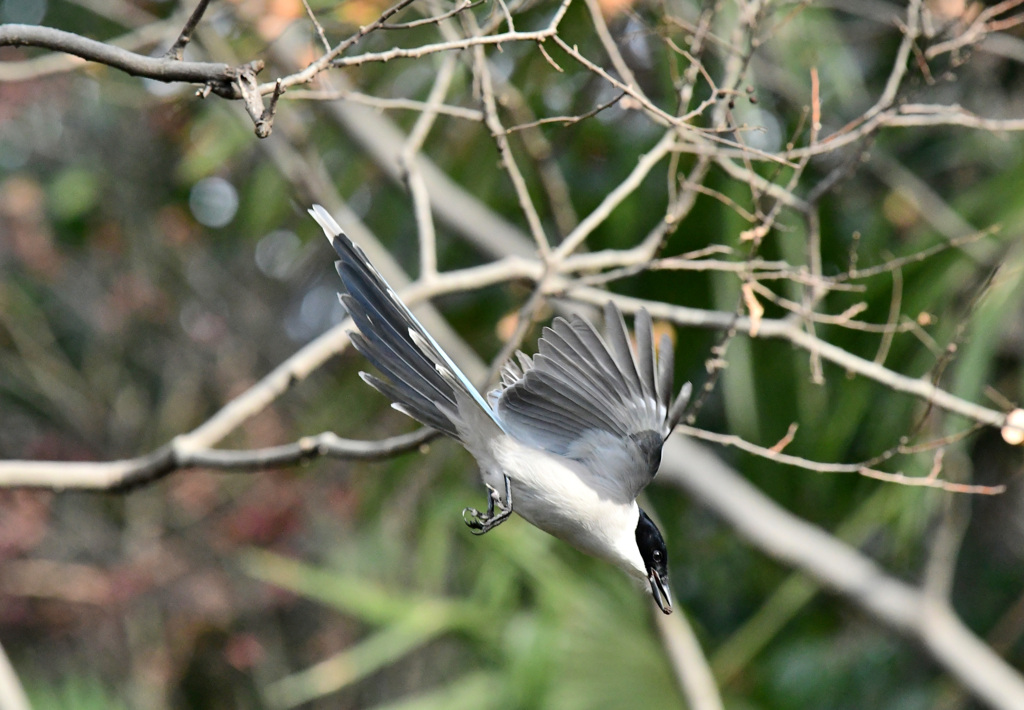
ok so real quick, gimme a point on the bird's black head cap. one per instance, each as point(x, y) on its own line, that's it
point(655, 556)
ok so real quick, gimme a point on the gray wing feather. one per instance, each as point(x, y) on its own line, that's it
point(645, 357)
point(675, 413)
point(592, 353)
point(666, 361)
point(592, 398)
point(618, 343)
point(563, 370)
point(555, 388)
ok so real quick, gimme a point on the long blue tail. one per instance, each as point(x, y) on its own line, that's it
point(421, 380)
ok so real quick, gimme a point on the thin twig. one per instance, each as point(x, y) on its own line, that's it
point(177, 50)
point(380, 102)
point(564, 120)
point(461, 7)
point(894, 313)
point(918, 256)
point(498, 133)
point(414, 176)
point(317, 26)
point(930, 481)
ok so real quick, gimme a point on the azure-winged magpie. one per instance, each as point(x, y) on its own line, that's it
point(568, 440)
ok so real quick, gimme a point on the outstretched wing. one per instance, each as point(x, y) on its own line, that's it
point(594, 400)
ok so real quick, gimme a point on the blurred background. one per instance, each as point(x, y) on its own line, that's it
point(156, 260)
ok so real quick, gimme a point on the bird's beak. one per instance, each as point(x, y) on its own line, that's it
point(659, 589)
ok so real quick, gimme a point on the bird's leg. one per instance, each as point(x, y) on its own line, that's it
point(479, 522)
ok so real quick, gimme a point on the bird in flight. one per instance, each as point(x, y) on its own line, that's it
point(567, 441)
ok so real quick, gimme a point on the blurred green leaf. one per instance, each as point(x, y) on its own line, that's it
point(475, 691)
point(73, 193)
point(74, 691)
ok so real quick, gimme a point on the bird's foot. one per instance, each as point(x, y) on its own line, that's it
point(478, 522)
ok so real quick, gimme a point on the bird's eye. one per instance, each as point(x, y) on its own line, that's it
point(657, 555)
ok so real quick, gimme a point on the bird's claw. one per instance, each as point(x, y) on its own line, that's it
point(474, 520)
point(478, 522)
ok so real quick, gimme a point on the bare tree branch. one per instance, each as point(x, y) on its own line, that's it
point(906, 609)
point(220, 77)
point(864, 468)
point(128, 474)
point(689, 662)
point(49, 64)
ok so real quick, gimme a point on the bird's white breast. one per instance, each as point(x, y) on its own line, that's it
point(563, 497)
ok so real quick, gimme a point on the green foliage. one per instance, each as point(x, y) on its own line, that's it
point(81, 692)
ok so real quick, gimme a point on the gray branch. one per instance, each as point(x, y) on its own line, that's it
point(221, 77)
point(796, 543)
point(127, 474)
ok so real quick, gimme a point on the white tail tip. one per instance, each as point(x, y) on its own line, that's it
point(326, 221)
